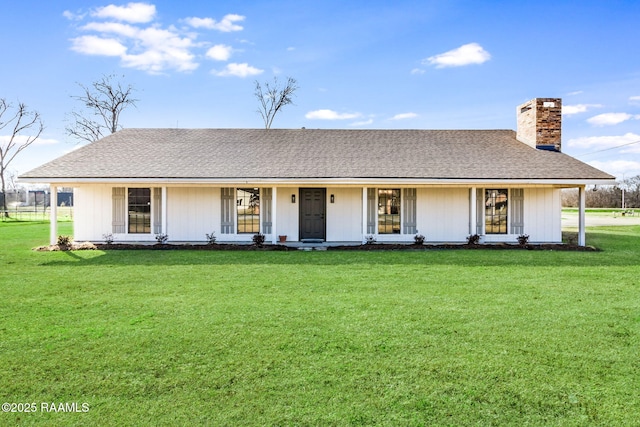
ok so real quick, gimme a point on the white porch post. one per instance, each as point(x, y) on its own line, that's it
point(472, 211)
point(53, 215)
point(364, 214)
point(581, 217)
point(163, 214)
point(274, 208)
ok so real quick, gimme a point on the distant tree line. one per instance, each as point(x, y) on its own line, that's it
point(607, 196)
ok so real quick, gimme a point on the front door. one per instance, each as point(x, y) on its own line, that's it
point(312, 213)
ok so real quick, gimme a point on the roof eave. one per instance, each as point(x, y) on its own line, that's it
point(350, 181)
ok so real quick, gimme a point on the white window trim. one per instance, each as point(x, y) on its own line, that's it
point(134, 237)
point(390, 237)
point(498, 238)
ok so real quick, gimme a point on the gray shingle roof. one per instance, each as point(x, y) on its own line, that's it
point(307, 153)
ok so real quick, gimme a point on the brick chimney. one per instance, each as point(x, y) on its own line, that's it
point(540, 123)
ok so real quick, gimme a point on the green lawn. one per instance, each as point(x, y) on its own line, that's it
point(480, 337)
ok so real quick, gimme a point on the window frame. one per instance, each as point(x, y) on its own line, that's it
point(254, 195)
point(502, 225)
point(397, 204)
point(150, 213)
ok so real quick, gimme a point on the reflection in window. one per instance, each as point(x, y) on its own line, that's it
point(496, 209)
point(139, 210)
point(248, 208)
point(389, 211)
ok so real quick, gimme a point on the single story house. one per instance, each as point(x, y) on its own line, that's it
point(324, 185)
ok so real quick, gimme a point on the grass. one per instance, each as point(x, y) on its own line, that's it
point(321, 338)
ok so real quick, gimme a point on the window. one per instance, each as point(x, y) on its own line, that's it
point(139, 210)
point(248, 210)
point(496, 211)
point(389, 211)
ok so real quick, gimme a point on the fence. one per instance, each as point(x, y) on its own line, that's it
point(29, 213)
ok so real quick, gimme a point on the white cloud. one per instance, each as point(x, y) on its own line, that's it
point(46, 141)
point(404, 116)
point(602, 142)
point(575, 92)
point(125, 30)
point(161, 49)
point(226, 25)
point(618, 168)
point(471, 53)
point(72, 16)
point(362, 123)
point(331, 115)
point(569, 110)
point(219, 52)
point(239, 70)
point(418, 71)
point(93, 45)
point(609, 119)
point(634, 100)
point(21, 139)
point(151, 49)
point(133, 12)
point(128, 32)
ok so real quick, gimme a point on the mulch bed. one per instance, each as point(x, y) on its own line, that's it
point(364, 247)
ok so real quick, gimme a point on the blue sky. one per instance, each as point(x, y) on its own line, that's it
point(359, 64)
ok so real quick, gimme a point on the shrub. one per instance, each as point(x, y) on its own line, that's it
point(523, 239)
point(162, 238)
point(108, 238)
point(369, 240)
point(258, 239)
point(419, 239)
point(473, 239)
point(211, 238)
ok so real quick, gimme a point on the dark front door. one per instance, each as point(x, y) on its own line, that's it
point(312, 213)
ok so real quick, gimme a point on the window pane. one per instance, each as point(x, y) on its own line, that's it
point(389, 211)
point(248, 208)
point(139, 210)
point(496, 208)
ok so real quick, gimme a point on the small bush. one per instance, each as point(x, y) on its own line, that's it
point(162, 238)
point(473, 239)
point(258, 239)
point(108, 238)
point(369, 240)
point(211, 238)
point(419, 239)
point(523, 239)
point(64, 241)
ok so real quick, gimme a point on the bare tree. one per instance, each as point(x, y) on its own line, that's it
point(273, 97)
point(104, 101)
point(18, 123)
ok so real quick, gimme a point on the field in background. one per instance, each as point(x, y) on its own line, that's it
point(455, 337)
point(28, 213)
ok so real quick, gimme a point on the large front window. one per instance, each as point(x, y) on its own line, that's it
point(248, 210)
point(139, 210)
point(389, 211)
point(496, 211)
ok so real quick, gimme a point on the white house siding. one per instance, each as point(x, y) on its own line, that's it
point(192, 213)
point(91, 212)
point(344, 216)
point(543, 214)
point(287, 213)
point(443, 214)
